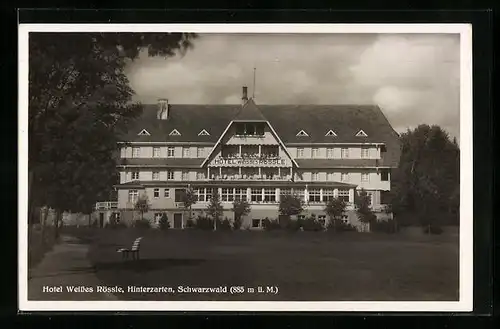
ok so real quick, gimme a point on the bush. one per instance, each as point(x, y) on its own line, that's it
point(224, 225)
point(237, 223)
point(190, 223)
point(271, 224)
point(114, 222)
point(312, 224)
point(164, 223)
point(142, 223)
point(388, 226)
point(204, 223)
point(340, 226)
point(294, 225)
point(434, 229)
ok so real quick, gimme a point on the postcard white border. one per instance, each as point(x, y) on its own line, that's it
point(465, 302)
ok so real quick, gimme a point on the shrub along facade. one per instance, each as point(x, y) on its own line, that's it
point(257, 153)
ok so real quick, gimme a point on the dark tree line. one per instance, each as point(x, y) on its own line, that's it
point(80, 101)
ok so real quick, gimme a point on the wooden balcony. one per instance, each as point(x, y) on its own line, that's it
point(107, 205)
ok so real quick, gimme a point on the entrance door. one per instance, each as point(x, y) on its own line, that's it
point(101, 220)
point(177, 220)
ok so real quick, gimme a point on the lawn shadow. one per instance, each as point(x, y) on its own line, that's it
point(146, 265)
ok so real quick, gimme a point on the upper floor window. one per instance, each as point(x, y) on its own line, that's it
point(344, 177)
point(314, 195)
point(156, 175)
point(344, 153)
point(365, 152)
point(133, 195)
point(185, 175)
point(329, 152)
point(135, 175)
point(156, 193)
point(365, 177)
point(329, 176)
point(252, 129)
point(170, 174)
point(186, 152)
point(200, 152)
point(314, 176)
point(343, 195)
point(123, 152)
point(300, 152)
point(170, 151)
point(136, 152)
point(384, 175)
point(200, 175)
point(156, 152)
point(315, 152)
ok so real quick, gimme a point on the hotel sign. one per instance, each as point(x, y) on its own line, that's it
point(249, 162)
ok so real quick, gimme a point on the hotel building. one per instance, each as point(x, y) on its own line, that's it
point(255, 152)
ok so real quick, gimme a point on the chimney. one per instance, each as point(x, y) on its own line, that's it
point(244, 98)
point(162, 113)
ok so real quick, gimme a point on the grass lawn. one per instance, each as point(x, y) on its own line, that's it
point(307, 266)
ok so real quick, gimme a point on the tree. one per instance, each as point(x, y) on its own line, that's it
point(240, 208)
point(142, 205)
point(188, 200)
point(335, 208)
point(291, 205)
point(215, 209)
point(364, 212)
point(80, 101)
point(427, 178)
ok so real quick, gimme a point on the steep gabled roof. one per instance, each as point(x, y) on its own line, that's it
point(249, 112)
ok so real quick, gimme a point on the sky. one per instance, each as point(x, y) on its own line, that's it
point(414, 78)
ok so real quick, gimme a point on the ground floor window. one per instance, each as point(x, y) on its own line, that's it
point(327, 195)
point(158, 216)
point(314, 195)
point(203, 194)
point(256, 195)
point(227, 195)
point(269, 195)
point(133, 195)
point(299, 193)
point(166, 193)
point(156, 193)
point(344, 195)
point(240, 194)
point(256, 223)
point(285, 191)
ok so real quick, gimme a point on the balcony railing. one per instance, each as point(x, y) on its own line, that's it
point(250, 177)
point(107, 205)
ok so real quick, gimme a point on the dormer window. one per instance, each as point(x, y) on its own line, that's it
point(361, 133)
point(203, 133)
point(302, 133)
point(144, 132)
point(175, 132)
point(331, 133)
point(249, 129)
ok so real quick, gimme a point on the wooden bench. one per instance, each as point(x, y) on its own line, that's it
point(134, 251)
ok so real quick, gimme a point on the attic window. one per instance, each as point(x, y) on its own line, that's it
point(331, 133)
point(203, 133)
point(302, 133)
point(361, 133)
point(174, 132)
point(144, 132)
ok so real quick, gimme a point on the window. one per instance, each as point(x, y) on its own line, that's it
point(186, 152)
point(259, 129)
point(199, 152)
point(135, 175)
point(200, 175)
point(384, 175)
point(227, 195)
point(240, 129)
point(123, 152)
point(344, 177)
point(256, 223)
point(361, 133)
point(315, 152)
point(144, 132)
point(302, 133)
point(170, 174)
point(365, 177)
point(365, 152)
point(314, 176)
point(136, 152)
point(269, 195)
point(285, 191)
point(156, 175)
point(133, 195)
point(314, 195)
point(299, 193)
point(344, 153)
point(327, 195)
point(156, 193)
point(166, 193)
point(331, 133)
point(179, 195)
point(208, 194)
point(175, 132)
point(185, 175)
point(158, 216)
point(344, 195)
point(329, 153)
point(156, 152)
point(256, 195)
point(240, 194)
point(329, 177)
point(300, 152)
point(170, 151)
